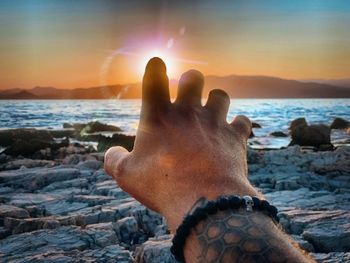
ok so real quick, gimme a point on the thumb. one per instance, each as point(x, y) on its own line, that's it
point(115, 162)
point(243, 125)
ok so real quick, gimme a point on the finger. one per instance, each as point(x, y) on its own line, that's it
point(115, 160)
point(155, 85)
point(190, 88)
point(243, 125)
point(218, 103)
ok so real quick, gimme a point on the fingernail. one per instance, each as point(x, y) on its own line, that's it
point(156, 65)
point(192, 76)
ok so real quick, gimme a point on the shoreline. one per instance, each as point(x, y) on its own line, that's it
point(57, 203)
point(68, 207)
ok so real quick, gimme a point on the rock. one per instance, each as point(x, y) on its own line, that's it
point(30, 199)
point(326, 147)
point(327, 231)
point(339, 168)
point(303, 244)
point(36, 210)
point(334, 257)
point(91, 200)
point(329, 235)
point(17, 226)
point(278, 134)
point(128, 231)
point(8, 137)
point(298, 122)
point(12, 211)
point(4, 233)
point(31, 146)
point(90, 164)
point(63, 238)
point(80, 183)
point(112, 253)
point(96, 126)
point(313, 135)
point(37, 178)
point(117, 139)
point(256, 125)
point(91, 127)
point(28, 163)
point(339, 123)
point(155, 251)
point(76, 126)
point(103, 234)
point(62, 133)
point(76, 212)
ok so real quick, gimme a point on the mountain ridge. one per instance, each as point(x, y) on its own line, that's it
point(237, 86)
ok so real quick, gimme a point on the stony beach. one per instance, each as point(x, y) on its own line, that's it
point(58, 205)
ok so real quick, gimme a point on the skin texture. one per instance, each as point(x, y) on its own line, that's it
point(183, 151)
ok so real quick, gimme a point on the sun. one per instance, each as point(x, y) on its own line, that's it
point(164, 55)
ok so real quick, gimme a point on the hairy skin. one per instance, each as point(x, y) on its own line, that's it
point(184, 151)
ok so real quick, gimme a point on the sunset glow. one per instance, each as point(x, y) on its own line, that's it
point(164, 55)
point(89, 43)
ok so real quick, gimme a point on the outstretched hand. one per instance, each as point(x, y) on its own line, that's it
point(183, 150)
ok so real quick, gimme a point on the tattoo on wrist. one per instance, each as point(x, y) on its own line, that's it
point(231, 236)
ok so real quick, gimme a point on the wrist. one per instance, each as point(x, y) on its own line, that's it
point(188, 200)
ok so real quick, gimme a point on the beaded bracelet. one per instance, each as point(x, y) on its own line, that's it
point(211, 207)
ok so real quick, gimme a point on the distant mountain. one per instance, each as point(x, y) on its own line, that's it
point(19, 95)
point(335, 82)
point(236, 86)
point(272, 87)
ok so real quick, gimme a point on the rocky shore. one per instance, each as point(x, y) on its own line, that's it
point(58, 205)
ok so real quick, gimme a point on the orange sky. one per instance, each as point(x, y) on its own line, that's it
point(69, 44)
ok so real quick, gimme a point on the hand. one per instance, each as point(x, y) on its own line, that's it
point(183, 151)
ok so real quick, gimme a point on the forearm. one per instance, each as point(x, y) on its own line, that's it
point(240, 236)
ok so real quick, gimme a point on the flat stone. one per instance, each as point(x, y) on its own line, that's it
point(334, 257)
point(155, 251)
point(17, 226)
point(36, 178)
point(13, 211)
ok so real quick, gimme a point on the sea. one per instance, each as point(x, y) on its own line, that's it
point(272, 114)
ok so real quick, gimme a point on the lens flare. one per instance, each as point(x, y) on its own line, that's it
point(164, 55)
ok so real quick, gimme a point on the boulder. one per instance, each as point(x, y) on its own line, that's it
point(62, 133)
point(75, 126)
point(8, 137)
point(256, 125)
point(297, 122)
point(339, 123)
point(96, 126)
point(117, 139)
point(31, 146)
point(91, 127)
point(278, 134)
point(313, 135)
point(12, 211)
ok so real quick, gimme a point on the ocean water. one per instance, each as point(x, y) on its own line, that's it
point(271, 114)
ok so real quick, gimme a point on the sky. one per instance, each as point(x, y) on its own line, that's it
point(70, 44)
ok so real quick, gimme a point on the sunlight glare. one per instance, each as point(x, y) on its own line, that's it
point(164, 55)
